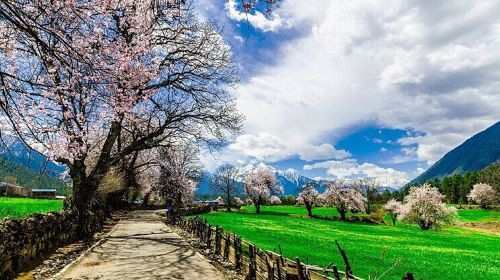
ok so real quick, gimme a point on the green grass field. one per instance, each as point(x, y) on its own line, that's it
point(21, 207)
point(450, 253)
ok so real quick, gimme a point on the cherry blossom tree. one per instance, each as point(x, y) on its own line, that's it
point(483, 194)
point(344, 198)
point(393, 207)
point(260, 184)
point(309, 196)
point(275, 200)
point(424, 206)
point(225, 180)
point(179, 173)
point(237, 201)
point(77, 75)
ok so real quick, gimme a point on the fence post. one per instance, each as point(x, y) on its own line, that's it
point(252, 263)
point(208, 236)
point(270, 269)
point(279, 268)
point(300, 270)
point(227, 243)
point(348, 269)
point(218, 240)
point(237, 252)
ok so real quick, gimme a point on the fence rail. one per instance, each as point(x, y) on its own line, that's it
point(255, 263)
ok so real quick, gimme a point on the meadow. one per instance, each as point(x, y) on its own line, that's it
point(452, 252)
point(11, 207)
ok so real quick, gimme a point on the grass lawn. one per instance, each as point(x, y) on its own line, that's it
point(478, 215)
point(21, 207)
point(451, 253)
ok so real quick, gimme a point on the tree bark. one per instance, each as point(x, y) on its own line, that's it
point(342, 213)
point(309, 210)
point(257, 206)
point(228, 200)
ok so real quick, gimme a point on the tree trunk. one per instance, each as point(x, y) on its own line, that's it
point(84, 189)
point(424, 225)
point(393, 217)
point(309, 210)
point(257, 206)
point(228, 201)
point(342, 213)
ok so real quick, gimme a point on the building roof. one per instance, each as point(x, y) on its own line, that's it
point(43, 190)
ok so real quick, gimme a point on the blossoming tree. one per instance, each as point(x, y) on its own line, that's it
point(179, 173)
point(260, 184)
point(424, 206)
point(309, 196)
point(275, 200)
point(75, 76)
point(483, 194)
point(344, 198)
point(393, 207)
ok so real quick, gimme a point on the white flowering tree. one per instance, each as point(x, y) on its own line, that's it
point(260, 184)
point(179, 171)
point(309, 196)
point(344, 199)
point(237, 201)
point(424, 206)
point(275, 200)
point(393, 208)
point(483, 194)
point(75, 76)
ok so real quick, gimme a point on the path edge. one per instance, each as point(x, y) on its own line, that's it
point(82, 255)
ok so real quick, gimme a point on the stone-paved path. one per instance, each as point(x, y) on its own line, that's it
point(142, 247)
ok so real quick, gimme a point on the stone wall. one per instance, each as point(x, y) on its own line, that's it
point(24, 240)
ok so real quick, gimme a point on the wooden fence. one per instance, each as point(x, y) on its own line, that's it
point(255, 263)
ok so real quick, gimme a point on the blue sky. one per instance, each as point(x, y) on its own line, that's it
point(340, 89)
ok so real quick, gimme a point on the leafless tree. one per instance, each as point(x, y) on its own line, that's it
point(225, 181)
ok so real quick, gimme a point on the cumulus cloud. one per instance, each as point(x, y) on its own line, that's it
point(266, 147)
point(350, 169)
point(256, 18)
point(432, 67)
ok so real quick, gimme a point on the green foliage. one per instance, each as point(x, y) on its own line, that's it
point(451, 253)
point(28, 178)
point(288, 200)
point(457, 187)
point(21, 207)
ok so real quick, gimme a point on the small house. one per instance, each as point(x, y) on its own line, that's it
point(43, 193)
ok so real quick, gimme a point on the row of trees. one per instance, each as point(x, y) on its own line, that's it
point(457, 187)
point(114, 87)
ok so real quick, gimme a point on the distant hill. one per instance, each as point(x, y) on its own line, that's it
point(16, 151)
point(25, 177)
point(27, 168)
point(476, 153)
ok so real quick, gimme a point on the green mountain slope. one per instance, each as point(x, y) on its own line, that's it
point(476, 153)
point(25, 177)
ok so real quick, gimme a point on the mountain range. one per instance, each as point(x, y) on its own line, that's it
point(474, 154)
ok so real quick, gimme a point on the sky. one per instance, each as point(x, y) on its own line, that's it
point(352, 89)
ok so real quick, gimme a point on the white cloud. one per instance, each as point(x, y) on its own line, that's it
point(255, 18)
point(405, 64)
point(266, 147)
point(351, 169)
point(322, 152)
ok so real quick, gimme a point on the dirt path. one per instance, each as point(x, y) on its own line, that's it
point(142, 247)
